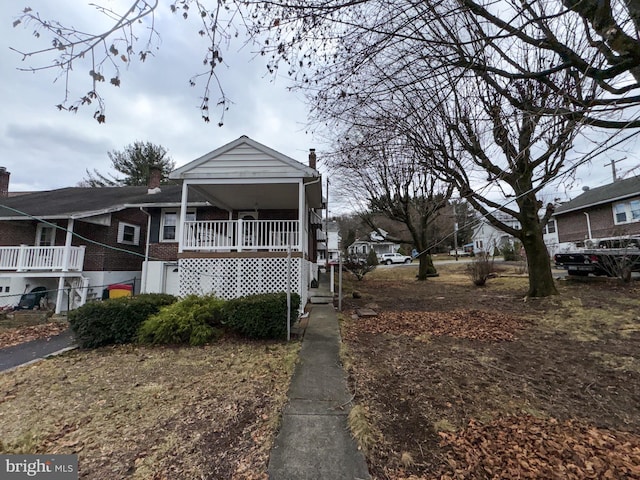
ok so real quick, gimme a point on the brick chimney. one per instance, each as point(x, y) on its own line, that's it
point(155, 177)
point(4, 182)
point(312, 158)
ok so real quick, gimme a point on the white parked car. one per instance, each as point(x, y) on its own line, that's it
point(389, 258)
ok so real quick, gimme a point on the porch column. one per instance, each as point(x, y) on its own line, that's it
point(60, 297)
point(183, 216)
point(302, 238)
point(67, 246)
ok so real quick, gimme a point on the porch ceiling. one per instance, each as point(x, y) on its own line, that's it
point(250, 197)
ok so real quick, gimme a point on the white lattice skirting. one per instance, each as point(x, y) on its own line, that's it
point(237, 277)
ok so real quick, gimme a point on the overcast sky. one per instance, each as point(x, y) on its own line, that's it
point(46, 149)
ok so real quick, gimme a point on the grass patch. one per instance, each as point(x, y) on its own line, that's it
point(361, 428)
point(585, 324)
point(151, 412)
point(442, 358)
point(444, 425)
point(618, 362)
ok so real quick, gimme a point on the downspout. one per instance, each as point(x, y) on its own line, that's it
point(143, 281)
point(313, 182)
point(65, 266)
point(588, 225)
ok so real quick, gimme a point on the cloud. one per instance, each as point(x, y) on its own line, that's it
point(44, 148)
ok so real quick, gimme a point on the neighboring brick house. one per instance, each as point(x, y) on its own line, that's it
point(74, 242)
point(225, 228)
point(609, 211)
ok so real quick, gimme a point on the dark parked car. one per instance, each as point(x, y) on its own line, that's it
point(31, 300)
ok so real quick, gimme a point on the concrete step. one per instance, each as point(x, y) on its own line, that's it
point(320, 299)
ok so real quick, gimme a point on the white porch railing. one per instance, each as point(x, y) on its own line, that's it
point(239, 235)
point(25, 258)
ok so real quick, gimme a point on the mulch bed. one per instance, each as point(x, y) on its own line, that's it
point(470, 324)
point(529, 447)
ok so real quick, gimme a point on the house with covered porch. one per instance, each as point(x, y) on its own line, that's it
point(256, 232)
point(242, 219)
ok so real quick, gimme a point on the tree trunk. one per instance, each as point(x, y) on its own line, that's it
point(426, 268)
point(541, 282)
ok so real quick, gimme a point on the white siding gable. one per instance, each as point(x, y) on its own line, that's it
point(243, 158)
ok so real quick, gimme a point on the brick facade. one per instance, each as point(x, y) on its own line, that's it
point(166, 251)
point(17, 233)
point(97, 257)
point(572, 226)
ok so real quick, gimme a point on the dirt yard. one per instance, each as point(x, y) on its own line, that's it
point(152, 413)
point(451, 381)
point(454, 381)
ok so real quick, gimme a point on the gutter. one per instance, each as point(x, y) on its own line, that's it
point(590, 205)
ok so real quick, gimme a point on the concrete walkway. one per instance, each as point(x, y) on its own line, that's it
point(314, 442)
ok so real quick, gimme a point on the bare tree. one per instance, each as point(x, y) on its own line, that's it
point(467, 127)
point(594, 41)
point(390, 180)
point(481, 88)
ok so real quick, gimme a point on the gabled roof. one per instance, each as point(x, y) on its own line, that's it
point(243, 158)
point(79, 202)
point(615, 191)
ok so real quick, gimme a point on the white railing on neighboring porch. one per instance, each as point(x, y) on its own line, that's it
point(239, 235)
point(23, 258)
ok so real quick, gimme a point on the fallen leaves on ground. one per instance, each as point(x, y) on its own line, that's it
point(470, 324)
point(163, 413)
point(529, 447)
point(18, 335)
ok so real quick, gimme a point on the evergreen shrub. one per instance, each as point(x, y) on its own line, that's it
point(194, 320)
point(261, 316)
point(114, 321)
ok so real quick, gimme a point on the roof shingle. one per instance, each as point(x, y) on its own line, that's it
point(76, 201)
point(619, 190)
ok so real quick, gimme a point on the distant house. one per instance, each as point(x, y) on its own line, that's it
point(376, 241)
point(612, 210)
point(489, 239)
point(328, 243)
point(240, 219)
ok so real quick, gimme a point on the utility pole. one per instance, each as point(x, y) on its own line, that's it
point(326, 229)
point(613, 167)
point(455, 231)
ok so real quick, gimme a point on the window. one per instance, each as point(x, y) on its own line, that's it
point(45, 235)
point(635, 209)
point(550, 227)
point(620, 212)
point(128, 234)
point(626, 212)
point(169, 224)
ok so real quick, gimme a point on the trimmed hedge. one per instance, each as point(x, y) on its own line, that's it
point(114, 321)
point(261, 316)
point(194, 320)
